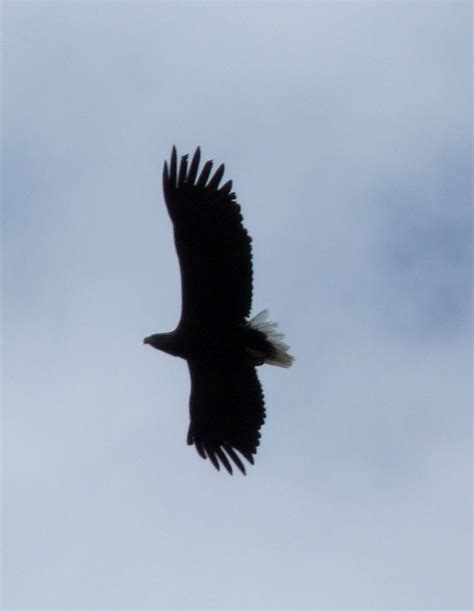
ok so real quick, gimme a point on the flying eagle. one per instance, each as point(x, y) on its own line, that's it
point(220, 344)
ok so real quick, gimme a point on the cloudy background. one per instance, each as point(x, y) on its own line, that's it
point(346, 130)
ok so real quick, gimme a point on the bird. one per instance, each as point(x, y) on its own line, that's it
point(215, 334)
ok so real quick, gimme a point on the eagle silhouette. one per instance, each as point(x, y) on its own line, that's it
point(221, 345)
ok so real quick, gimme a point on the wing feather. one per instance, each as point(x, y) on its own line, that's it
point(212, 457)
point(183, 170)
point(223, 458)
point(206, 171)
point(226, 411)
point(226, 188)
point(215, 180)
point(194, 166)
point(234, 456)
point(173, 165)
point(213, 247)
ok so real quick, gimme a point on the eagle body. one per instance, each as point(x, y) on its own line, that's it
point(199, 342)
point(221, 345)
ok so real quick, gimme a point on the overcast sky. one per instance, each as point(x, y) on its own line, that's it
point(346, 131)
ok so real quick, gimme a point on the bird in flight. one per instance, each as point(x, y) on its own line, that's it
point(221, 345)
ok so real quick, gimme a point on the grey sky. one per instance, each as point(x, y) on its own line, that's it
point(346, 130)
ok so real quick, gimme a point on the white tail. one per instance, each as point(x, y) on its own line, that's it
point(281, 358)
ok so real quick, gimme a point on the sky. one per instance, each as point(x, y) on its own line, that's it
point(346, 129)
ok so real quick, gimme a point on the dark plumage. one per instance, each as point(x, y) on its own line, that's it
point(221, 346)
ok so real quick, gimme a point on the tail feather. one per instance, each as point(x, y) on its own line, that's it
point(281, 356)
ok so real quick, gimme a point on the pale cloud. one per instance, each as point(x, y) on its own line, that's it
point(346, 130)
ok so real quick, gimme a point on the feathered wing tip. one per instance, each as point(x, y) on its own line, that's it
point(281, 358)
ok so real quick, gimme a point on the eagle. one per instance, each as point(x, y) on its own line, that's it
point(220, 343)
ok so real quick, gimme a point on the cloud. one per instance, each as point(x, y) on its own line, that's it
point(346, 129)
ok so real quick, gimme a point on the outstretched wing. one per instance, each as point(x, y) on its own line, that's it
point(213, 246)
point(227, 411)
